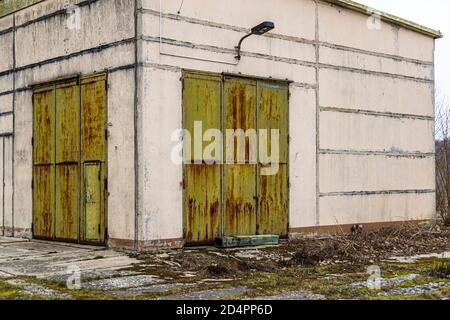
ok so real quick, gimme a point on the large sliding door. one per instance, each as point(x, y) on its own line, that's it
point(244, 191)
point(69, 160)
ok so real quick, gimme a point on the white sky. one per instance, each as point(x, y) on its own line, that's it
point(430, 13)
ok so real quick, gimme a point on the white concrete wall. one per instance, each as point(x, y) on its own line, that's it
point(376, 121)
point(365, 97)
point(47, 49)
point(202, 37)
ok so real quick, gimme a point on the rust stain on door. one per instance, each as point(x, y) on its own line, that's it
point(273, 107)
point(69, 131)
point(201, 175)
point(231, 197)
point(239, 175)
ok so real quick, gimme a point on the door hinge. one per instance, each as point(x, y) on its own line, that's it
point(106, 184)
point(99, 175)
point(32, 184)
point(32, 142)
point(106, 134)
point(99, 229)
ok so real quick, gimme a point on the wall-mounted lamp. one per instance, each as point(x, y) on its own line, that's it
point(260, 29)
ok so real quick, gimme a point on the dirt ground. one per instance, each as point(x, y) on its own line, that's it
point(408, 262)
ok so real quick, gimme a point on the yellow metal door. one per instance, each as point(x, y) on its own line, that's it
point(43, 162)
point(67, 161)
point(69, 149)
point(272, 175)
point(92, 202)
point(93, 158)
point(239, 189)
point(201, 175)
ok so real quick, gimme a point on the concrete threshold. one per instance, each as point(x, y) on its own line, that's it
point(247, 241)
point(6, 240)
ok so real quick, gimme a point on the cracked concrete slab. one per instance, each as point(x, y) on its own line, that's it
point(294, 295)
point(122, 282)
point(35, 289)
point(211, 294)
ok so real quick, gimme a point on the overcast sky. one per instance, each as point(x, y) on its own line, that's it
point(430, 13)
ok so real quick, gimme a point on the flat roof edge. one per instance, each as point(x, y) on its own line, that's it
point(355, 6)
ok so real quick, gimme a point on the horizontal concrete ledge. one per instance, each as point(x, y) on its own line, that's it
point(108, 70)
point(279, 36)
point(71, 55)
point(311, 64)
point(376, 113)
point(348, 228)
point(145, 245)
point(389, 154)
point(370, 193)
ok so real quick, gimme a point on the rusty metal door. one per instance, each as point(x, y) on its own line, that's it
point(239, 177)
point(93, 158)
point(273, 106)
point(67, 184)
point(232, 196)
point(43, 162)
point(69, 150)
point(201, 175)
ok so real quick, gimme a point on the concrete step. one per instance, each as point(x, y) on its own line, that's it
point(246, 241)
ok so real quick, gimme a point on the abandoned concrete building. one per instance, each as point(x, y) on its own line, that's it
point(94, 93)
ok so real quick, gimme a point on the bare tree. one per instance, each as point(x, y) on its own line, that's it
point(443, 158)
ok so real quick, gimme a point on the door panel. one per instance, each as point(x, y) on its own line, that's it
point(273, 114)
point(61, 121)
point(67, 195)
point(44, 201)
point(93, 124)
point(202, 180)
point(273, 188)
point(202, 202)
point(240, 199)
point(67, 123)
point(239, 171)
point(44, 126)
point(92, 201)
point(273, 202)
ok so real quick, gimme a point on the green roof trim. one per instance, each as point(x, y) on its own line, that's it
point(355, 6)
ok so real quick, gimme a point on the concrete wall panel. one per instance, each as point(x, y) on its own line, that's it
point(349, 28)
point(249, 66)
point(2, 216)
point(358, 60)
point(6, 82)
point(6, 124)
point(6, 103)
point(8, 218)
point(6, 49)
point(160, 179)
point(349, 173)
point(352, 90)
point(224, 38)
point(291, 17)
point(376, 208)
point(355, 132)
point(302, 150)
point(121, 203)
point(84, 64)
point(23, 161)
point(53, 38)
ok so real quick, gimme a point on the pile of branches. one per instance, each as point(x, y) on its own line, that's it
point(364, 247)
